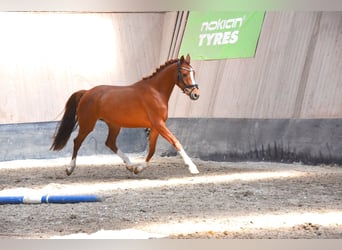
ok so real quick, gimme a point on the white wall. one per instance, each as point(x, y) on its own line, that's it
point(45, 57)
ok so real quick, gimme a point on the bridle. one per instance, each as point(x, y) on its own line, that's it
point(180, 78)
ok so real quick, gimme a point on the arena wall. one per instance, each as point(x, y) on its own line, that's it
point(33, 140)
point(253, 107)
point(296, 73)
point(282, 105)
point(48, 56)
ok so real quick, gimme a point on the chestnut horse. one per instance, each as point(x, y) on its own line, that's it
point(143, 104)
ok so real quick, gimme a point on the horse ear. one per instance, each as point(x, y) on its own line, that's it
point(187, 59)
point(181, 59)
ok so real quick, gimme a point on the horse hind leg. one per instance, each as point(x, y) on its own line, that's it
point(77, 144)
point(82, 134)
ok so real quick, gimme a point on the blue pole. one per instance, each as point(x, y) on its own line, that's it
point(69, 198)
point(62, 199)
point(11, 200)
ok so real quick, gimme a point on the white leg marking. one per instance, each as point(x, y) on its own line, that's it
point(192, 167)
point(72, 166)
point(124, 157)
point(141, 167)
point(126, 160)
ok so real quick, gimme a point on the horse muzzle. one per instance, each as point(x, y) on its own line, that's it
point(194, 94)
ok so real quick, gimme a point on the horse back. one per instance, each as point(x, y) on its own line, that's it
point(124, 106)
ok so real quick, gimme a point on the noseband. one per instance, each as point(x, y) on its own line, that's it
point(180, 78)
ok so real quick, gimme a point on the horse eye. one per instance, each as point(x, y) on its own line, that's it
point(185, 75)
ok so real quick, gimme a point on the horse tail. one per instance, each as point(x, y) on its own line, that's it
point(68, 123)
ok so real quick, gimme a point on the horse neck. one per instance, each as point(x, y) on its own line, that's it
point(165, 80)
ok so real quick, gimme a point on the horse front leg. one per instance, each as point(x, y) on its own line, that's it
point(166, 133)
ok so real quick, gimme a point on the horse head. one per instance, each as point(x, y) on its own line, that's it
point(186, 78)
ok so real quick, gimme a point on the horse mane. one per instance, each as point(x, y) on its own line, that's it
point(161, 67)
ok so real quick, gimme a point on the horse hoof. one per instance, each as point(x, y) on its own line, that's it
point(138, 169)
point(130, 168)
point(193, 170)
point(68, 172)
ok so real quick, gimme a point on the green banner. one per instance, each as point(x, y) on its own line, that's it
point(220, 35)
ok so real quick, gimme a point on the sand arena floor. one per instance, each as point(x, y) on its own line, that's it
point(226, 200)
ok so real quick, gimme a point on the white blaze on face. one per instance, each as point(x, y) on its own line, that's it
point(192, 77)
